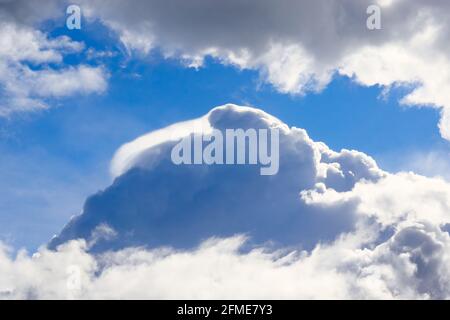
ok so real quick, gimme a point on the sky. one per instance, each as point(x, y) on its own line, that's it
point(69, 99)
point(74, 141)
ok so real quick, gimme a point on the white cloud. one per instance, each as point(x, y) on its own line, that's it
point(80, 80)
point(412, 264)
point(31, 63)
point(393, 199)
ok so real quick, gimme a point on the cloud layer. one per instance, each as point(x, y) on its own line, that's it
point(412, 264)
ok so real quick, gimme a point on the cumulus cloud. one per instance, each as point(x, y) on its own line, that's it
point(329, 225)
point(31, 63)
point(417, 198)
point(298, 46)
point(156, 202)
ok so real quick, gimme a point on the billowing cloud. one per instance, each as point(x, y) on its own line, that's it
point(31, 63)
point(412, 264)
point(328, 225)
point(298, 46)
point(156, 202)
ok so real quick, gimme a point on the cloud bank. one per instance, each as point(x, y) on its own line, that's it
point(329, 225)
point(412, 264)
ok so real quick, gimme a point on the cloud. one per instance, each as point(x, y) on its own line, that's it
point(32, 70)
point(419, 198)
point(412, 264)
point(156, 202)
point(298, 46)
point(328, 225)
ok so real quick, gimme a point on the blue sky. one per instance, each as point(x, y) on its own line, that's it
point(67, 149)
point(331, 223)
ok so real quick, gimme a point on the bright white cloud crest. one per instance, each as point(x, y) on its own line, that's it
point(356, 231)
